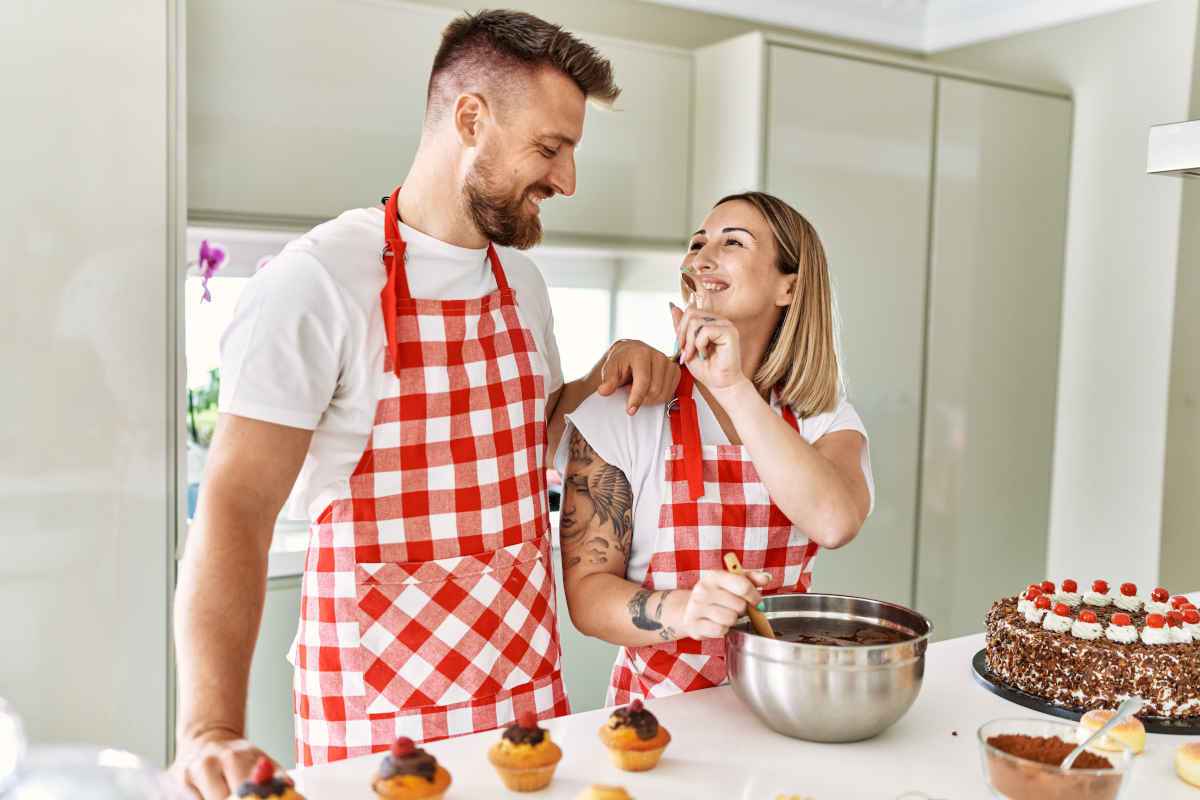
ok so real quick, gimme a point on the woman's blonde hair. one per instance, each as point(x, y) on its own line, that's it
point(801, 361)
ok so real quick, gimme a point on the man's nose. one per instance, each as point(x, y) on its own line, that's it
point(562, 177)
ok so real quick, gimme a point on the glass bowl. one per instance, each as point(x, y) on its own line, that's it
point(1016, 778)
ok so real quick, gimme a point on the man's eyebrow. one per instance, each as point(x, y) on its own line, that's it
point(560, 138)
point(703, 232)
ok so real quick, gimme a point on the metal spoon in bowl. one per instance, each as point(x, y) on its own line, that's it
point(1127, 709)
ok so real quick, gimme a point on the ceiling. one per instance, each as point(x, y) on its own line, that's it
point(924, 26)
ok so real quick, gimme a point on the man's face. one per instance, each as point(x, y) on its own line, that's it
point(524, 158)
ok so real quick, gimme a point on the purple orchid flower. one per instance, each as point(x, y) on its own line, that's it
point(212, 256)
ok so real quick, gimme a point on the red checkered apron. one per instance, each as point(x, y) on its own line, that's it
point(714, 503)
point(428, 607)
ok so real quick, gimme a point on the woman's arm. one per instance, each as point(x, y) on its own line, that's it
point(596, 532)
point(820, 486)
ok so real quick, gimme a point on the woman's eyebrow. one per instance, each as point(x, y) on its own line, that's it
point(743, 230)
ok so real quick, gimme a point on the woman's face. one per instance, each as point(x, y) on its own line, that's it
point(731, 260)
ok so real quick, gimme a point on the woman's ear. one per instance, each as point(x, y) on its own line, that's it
point(789, 290)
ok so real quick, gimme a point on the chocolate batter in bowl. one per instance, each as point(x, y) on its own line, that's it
point(842, 668)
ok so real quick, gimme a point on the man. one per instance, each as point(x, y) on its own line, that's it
point(418, 423)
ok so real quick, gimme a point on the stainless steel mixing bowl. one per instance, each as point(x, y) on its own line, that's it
point(826, 693)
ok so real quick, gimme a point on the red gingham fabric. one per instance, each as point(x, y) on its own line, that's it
point(428, 598)
point(734, 514)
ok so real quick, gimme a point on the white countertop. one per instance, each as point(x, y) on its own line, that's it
point(719, 749)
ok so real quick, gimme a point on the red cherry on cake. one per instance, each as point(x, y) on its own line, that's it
point(1087, 616)
point(1033, 589)
point(1191, 616)
point(1048, 587)
point(1155, 621)
point(1129, 589)
point(1178, 601)
point(527, 720)
point(1121, 620)
point(1062, 610)
point(264, 771)
point(1033, 594)
point(1042, 602)
point(1160, 595)
point(1175, 619)
point(1185, 607)
point(1100, 587)
point(403, 747)
point(1070, 586)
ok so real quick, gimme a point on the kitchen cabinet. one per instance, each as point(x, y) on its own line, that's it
point(299, 109)
point(269, 699)
point(940, 198)
point(1000, 195)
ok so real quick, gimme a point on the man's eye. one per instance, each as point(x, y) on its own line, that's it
point(548, 153)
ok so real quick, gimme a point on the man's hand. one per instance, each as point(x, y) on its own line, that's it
point(652, 374)
point(213, 764)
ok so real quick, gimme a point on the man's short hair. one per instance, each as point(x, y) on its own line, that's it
point(498, 48)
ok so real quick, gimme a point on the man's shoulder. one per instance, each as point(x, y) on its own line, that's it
point(346, 251)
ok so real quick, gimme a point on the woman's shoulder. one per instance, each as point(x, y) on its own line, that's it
point(842, 416)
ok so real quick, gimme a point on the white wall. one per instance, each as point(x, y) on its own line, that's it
point(86, 462)
point(1128, 70)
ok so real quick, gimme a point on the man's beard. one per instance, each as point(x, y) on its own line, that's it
point(501, 219)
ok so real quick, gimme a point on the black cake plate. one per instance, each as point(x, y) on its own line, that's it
point(1184, 726)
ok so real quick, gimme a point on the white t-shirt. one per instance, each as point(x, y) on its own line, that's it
point(305, 347)
point(637, 445)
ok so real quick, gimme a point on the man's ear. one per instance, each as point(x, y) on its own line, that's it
point(470, 110)
point(789, 291)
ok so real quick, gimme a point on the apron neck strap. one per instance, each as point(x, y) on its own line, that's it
point(685, 431)
point(395, 287)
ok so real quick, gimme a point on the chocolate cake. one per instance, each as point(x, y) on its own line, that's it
point(1082, 652)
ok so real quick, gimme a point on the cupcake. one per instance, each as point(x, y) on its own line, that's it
point(265, 784)
point(525, 757)
point(634, 738)
point(599, 792)
point(1131, 732)
point(409, 773)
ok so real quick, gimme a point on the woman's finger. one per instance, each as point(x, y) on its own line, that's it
point(738, 585)
point(707, 629)
point(722, 615)
point(208, 778)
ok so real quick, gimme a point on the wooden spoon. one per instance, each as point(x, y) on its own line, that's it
point(762, 626)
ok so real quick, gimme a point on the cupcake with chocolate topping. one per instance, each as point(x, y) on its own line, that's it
point(634, 738)
point(409, 773)
point(525, 757)
point(265, 784)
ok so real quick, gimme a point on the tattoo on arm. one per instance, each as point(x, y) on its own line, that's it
point(596, 496)
point(646, 622)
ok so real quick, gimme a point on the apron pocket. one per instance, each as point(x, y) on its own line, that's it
point(436, 633)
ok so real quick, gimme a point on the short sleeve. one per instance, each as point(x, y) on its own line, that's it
point(844, 418)
point(281, 355)
point(550, 352)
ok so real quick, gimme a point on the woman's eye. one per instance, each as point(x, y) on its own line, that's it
point(695, 245)
point(733, 241)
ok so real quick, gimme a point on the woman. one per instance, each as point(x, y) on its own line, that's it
point(759, 455)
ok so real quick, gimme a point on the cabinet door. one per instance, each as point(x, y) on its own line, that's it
point(299, 109)
point(849, 145)
point(994, 313)
point(269, 702)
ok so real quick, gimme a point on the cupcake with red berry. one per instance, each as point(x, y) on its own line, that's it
point(1098, 596)
point(410, 773)
point(1128, 599)
point(525, 757)
point(266, 783)
point(634, 739)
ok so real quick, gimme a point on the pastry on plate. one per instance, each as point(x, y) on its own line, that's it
point(267, 784)
point(525, 757)
point(410, 773)
point(634, 739)
point(1131, 732)
point(1187, 762)
point(600, 792)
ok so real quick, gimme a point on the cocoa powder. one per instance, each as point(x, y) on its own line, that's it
point(1037, 777)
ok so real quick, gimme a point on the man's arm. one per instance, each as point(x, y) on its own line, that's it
point(651, 375)
point(219, 600)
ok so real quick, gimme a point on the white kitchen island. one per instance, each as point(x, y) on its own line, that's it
point(719, 749)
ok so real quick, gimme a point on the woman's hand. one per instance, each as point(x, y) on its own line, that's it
point(708, 345)
point(717, 601)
